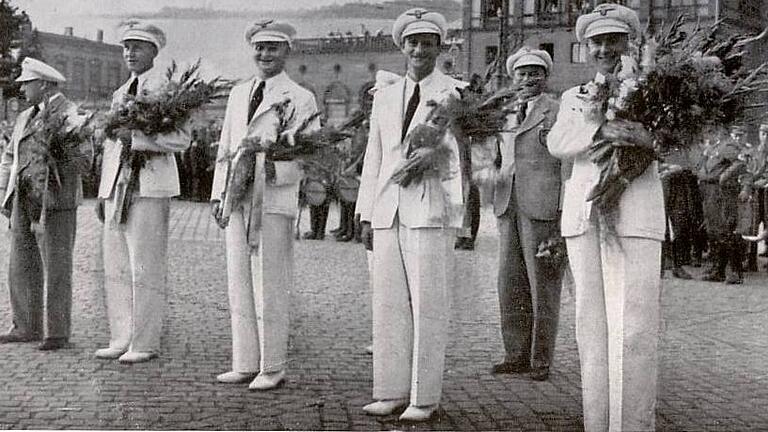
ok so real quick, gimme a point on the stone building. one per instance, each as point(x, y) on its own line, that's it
point(94, 69)
point(548, 24)
point(335, 68)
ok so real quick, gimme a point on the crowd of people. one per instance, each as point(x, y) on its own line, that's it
point(538, 166)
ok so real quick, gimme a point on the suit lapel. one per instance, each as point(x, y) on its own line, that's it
point(273, 93)
point(54, 103)
point(394, 111)
point(423, 110)
point(241, 100)
point(28, 123)
point(537, 115)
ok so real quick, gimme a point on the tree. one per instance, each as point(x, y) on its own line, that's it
point(16, 34)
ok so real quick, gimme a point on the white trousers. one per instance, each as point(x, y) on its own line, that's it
point(259, 292)
point(411, 277)
point(135, 273)
point(617, 290)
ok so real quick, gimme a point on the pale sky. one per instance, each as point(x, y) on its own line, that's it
point(38, 7)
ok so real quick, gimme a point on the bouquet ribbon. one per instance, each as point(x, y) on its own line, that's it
point(234, 196)
point(253, 226)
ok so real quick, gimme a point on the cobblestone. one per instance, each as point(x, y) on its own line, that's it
point(714, 354)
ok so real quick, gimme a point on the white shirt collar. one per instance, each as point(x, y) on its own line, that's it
point(424, 84)
point(142, 78)
point(269, 83)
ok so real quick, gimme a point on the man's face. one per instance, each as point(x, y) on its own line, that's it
point(33, 91)
point(531, 78)
point(763, 134)
point(421, 51)
point(270, 57)
point(139, 56)
point(606, 50)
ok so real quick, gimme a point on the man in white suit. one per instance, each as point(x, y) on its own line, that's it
point(260, 279)
point(135, 239)
point(616, 272)
point(413, 229)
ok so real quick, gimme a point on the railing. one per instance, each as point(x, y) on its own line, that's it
point(345, 44)
point(540, 19)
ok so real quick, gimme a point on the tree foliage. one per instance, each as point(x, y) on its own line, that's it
point(15, 34)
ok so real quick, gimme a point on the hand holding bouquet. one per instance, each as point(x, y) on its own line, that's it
point(59, 137)
point(663, 94)
point(552, 250)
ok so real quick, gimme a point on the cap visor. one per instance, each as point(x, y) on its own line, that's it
point(600, 29)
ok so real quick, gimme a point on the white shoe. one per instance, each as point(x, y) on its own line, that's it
point(233, 377)
point(267, 381)
point(136, 357)
point(384, 407)
point(109, 353)
point(418, 413)
point(369, 349)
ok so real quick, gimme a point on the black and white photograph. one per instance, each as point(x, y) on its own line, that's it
point(454, 215)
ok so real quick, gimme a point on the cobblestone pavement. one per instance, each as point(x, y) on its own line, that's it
point(713, 365)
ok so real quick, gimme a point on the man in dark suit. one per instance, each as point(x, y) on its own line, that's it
point(526, 203)
point(42, 229)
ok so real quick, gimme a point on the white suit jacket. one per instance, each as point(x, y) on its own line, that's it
point(429, 203)
point(641, 207)
point(282, 196)
point(160, 177)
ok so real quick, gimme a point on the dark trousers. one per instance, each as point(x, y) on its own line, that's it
point(40, 273)
point(722, 219)
point(529, 289)
point(318, 218)
point(346, 218)
point(473, 211)
point(680, 201)
point(725, 251)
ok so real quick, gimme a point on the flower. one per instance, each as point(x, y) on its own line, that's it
point(684, 82)
point(166, 109)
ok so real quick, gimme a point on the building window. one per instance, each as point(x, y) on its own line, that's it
point(579, 52)
point(61, 65)
point(491, 52)
point(579, 7)
point(491, 8)
point(78, 75)
point(549, 48)
point(114, 76)
point(548, 6)
point(94, 76)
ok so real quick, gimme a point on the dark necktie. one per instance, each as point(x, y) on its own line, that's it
point(133, 89)
point(521, 112)
point(413, 103)
point(35, 111)
point(258, 96)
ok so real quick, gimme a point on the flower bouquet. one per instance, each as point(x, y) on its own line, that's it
point(480, 116)
point(167, 109)
point(158, 111)
point(58, 137)
point(247, 160)
point(672, 85)
point(427, 153)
